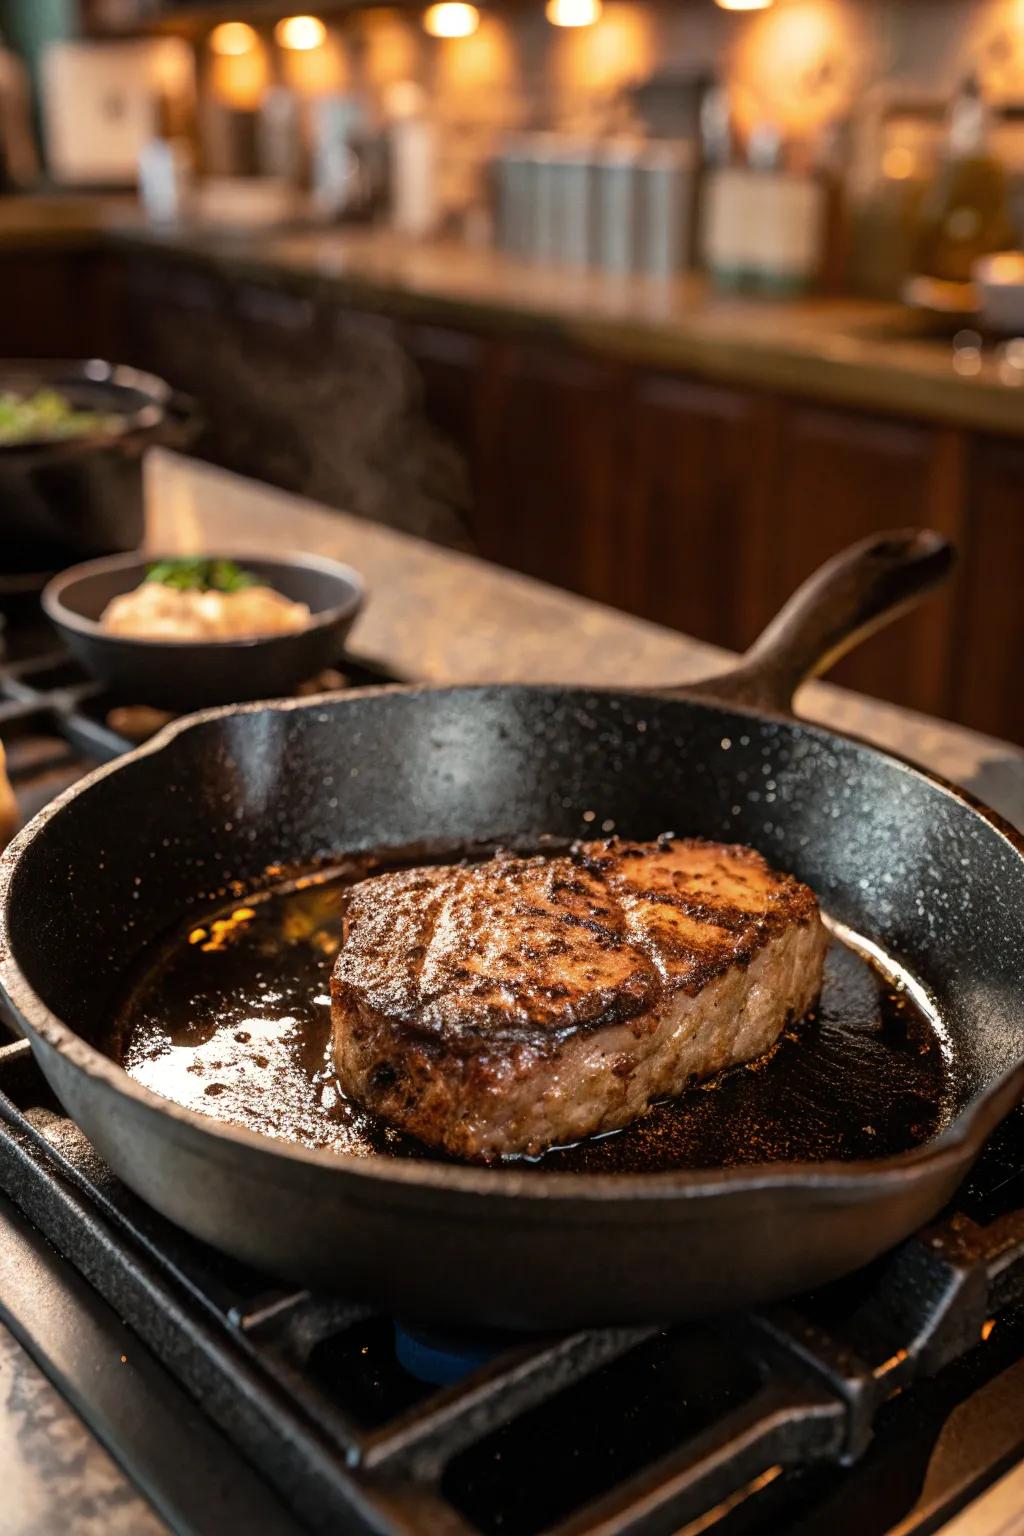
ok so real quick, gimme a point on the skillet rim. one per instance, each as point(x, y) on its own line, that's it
point(957, 1143)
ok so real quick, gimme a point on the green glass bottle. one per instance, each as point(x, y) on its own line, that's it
point(965, 213)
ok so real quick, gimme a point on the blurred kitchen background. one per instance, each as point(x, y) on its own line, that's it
point(662, 301)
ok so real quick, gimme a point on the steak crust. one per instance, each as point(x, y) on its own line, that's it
point(509, 1006)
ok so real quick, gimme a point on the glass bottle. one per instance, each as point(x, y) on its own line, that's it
point(965, 213)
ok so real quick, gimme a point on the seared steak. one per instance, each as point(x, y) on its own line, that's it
point(510, 1006)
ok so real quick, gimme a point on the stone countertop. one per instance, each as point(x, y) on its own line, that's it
point(855, 351)
point(69, 219)
point(97, 1437)
point(437, 616)
point(56, 1475)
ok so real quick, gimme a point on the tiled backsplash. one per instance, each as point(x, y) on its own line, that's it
point(804, 60)
point(801, 63)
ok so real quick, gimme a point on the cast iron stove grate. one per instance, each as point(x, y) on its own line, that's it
point(56, 723)
point(768, 1421)
point(884, 1402)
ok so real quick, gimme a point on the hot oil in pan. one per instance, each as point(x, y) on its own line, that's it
point(232, 1019)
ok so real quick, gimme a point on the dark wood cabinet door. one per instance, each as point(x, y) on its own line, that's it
point(989, 637)
point(449, 369)
point(839, 476)
point(60, 303)
point(244, 353)
point(698, 458)
point(550, 468)
point(449, 365)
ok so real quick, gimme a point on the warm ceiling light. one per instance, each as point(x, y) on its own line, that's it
point(300, 32)
point(451, 19)
point(232, 38)
point(744, 5)
point(573, 13)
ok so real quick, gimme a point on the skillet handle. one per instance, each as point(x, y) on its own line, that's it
point(847, 599)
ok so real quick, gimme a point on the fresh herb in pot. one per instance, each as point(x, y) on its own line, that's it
point(47, 417)
point(194, 574)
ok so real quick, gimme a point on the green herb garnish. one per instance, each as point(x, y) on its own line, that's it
point(198, 575)
point(47, 417)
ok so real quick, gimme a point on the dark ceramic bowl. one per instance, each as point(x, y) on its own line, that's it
point(183, 675)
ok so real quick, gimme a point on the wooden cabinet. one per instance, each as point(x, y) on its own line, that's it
point(732, 497)
point(237, 353)
point(838, 476)
point(696, 504)
point(450, 367)
point(550, 457)
point(988, 638)
point(302, 392)
point(694, 473)
point(175, 327)
point(59, 303)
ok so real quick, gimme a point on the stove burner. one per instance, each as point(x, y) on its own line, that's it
point(344, 1411)
point(441, 1359)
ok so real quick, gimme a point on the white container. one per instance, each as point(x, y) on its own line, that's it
point(788, 230)
point(415, 205)
point(763, 229)
point(727, 242)
point(101, 104)
point(166, 180)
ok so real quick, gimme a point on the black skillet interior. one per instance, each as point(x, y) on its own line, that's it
point(897, 859)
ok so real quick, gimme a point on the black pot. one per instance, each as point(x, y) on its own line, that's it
point(82, 497)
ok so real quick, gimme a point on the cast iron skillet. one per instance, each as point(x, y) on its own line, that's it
point(901, 858)
point(183, 674)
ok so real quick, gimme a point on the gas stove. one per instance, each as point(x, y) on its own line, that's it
point(885, 1403)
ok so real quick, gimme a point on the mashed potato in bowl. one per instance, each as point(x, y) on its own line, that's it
point(202, 600)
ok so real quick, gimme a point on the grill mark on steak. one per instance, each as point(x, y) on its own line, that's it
point(505, 998)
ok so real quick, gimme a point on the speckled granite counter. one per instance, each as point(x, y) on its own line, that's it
point(847, 350)
point(851, 351)
point(97, 1438)
point(63, 219)
point(437, 616)
point(55, 1474)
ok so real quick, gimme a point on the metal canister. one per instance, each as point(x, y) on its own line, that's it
point(545, 243)
point(665, 175)
point(618, 203)
point(577, 203)
point(516, 174)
